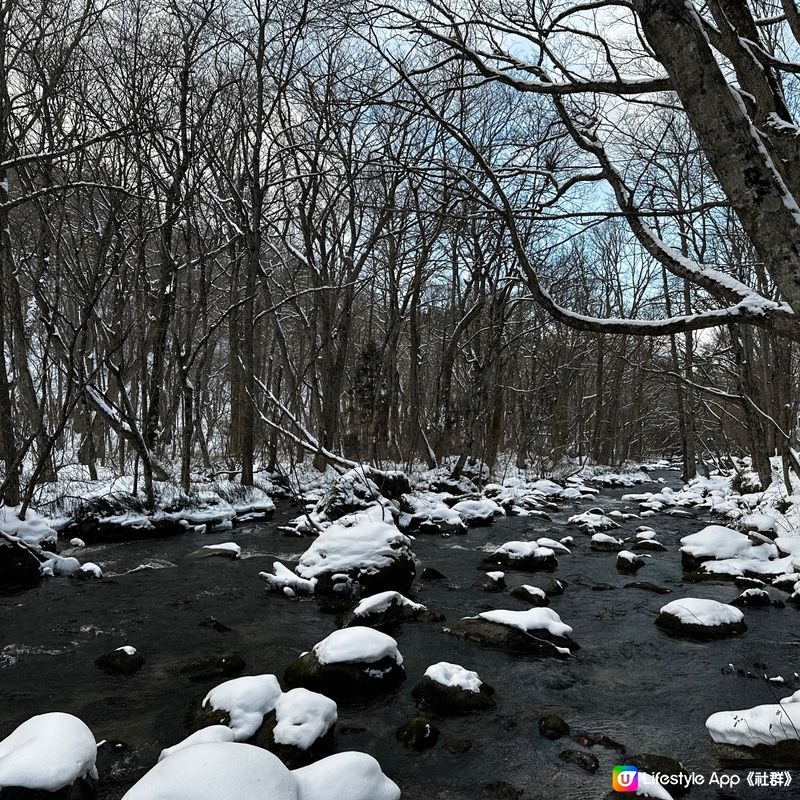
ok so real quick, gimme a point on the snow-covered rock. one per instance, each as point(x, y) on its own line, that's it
point(766, 731)
point(538, 631)
point(302, 717)
point(592, 522)
point(373, 554)
point(213, 733)
point(387, 609)
point(430, 515)
point(349, 661)
point(527, 556)
point(215, 770)
point(716, 542)
point(229, 550)
point(604, 543)
point(343, 776)
point(701, 618)
point(282, 578)
point(448, 688)
point(532, 595)
point(478, 512)
point(629, 562)
point(47, 753)
point(244, 701)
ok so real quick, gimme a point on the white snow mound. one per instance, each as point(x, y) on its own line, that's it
point(47, 752)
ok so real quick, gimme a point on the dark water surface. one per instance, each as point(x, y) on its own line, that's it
point(629, 680)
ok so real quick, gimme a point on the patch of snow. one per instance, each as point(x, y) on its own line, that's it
point(47, 752)
point(283, 579)
point(343, 776)
point(366, 544)
point(213, 733)
point(214, 770)
point(533, 619)
point(302, 717)
point(246, 700)
point(358, 645)
point(376, 603)
point(699, 611)
point(454, 675)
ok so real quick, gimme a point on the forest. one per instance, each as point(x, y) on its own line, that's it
point(239, 235)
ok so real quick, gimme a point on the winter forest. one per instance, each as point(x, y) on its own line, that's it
point(449, 335)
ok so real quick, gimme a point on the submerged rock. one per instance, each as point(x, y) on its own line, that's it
point(418, 734)
point(551, 726)
point(125, 660)
point(502, 790)
point(648, 587)
point(210, 667)
point(580, 758)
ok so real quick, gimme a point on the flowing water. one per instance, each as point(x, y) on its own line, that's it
point(629, 680)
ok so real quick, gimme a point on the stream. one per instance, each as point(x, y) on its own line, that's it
point(630, 680)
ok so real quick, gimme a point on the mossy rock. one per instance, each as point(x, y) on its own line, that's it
point(418, 734)
point(437, 697)
point(344, 680)
point(293, 757)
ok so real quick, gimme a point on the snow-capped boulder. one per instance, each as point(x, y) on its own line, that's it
point(226, 550)
point(699, 618)
point(241, 704)
point(349, 662)
point(48, 753)
point(526, 556)
point(716, 542)
point(648, 544)
point(537, 631)
point(343, 776)
point(752, 598)
point(213, 733)
point(450, 689)
point(215, 770)
point(603, 543)
point(769, 732)
point(593, 522)
point(629, 562)
point(532, 595)
point(367, 557)
point(429, 516)
point(357, 490)
point(125, 660)
point(476, 513)
point(388, 609)
point(299, 730)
